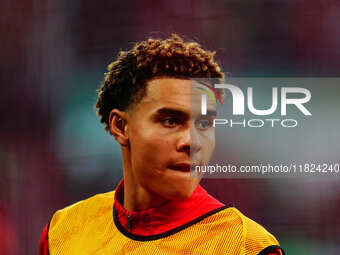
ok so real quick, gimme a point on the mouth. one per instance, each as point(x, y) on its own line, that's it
point(183, 167)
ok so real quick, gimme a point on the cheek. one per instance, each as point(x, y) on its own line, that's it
point(208, 145)
point(149, 151)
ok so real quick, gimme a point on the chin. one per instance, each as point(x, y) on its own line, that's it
point(183, 192)
point(183, 196)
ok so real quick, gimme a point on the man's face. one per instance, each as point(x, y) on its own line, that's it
point(167, 133)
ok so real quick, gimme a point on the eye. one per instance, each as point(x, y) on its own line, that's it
point(170, 122)
point(204, 124)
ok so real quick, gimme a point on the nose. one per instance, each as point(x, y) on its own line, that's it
point(189, 141)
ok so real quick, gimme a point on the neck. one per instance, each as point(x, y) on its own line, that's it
point(136, 197)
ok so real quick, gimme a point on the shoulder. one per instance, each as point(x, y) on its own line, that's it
point(67, 222)
point(253, 238)
point(253, 230)
point(85, 211)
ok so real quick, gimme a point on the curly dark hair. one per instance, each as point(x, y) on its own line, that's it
point(126, 79)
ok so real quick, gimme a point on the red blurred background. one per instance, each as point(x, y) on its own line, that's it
point(53, 150)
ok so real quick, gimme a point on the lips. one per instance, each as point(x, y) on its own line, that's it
point(183, 167)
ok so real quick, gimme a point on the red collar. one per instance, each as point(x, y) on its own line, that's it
point(166, 217)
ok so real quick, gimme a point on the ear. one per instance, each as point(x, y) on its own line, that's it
point(118, 126)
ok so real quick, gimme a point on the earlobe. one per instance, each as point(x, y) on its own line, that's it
point(118, 126)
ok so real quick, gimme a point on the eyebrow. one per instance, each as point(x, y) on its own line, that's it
point(211, 113)
point(173, 112)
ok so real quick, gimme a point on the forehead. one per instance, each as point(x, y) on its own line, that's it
point(168, 89)
point(173, 91)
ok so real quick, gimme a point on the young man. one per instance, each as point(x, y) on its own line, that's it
point(147, 102)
